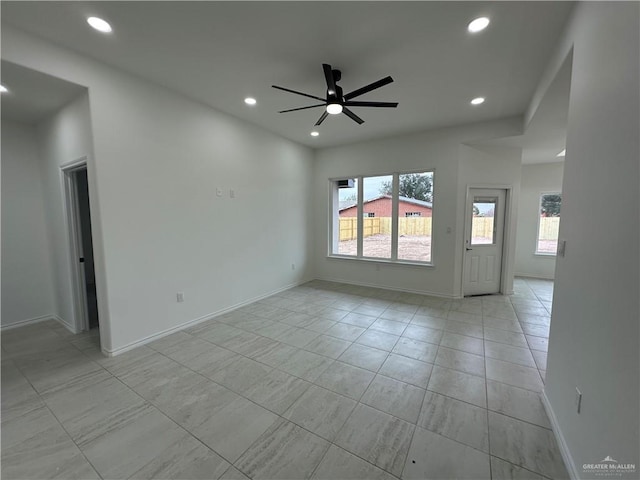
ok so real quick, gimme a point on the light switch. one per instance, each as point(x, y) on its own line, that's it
point(562, 246)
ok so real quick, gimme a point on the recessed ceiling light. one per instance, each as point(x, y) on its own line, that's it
point(477, 101)
point(314, 134)
point(562, 153)
point(3, 89)
point(478, 24)
point(334, 108)
point(99, 24)
point(250, 101)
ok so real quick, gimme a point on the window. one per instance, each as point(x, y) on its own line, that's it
point(395, 223)
point(376, 231)
point(346, 206)
point(482, 223)
point(548, 223)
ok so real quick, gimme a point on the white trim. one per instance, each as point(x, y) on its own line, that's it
point(28, 321)
point(31, 321)
point(195, 321)
point(506, 237)
point(533, 275)
point(71, 220)
point(385, 261)
point(536, 253)
point(386, 287)
point(562, 443)
point(65, 324)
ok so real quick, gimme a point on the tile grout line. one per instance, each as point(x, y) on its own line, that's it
point(46, 405)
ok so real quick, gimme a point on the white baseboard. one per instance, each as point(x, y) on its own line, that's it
point(535, 276)
point(65, 324)
point(42, 318)
point(195, 321)
point(385, 287)
point(29, 321)
point(562, 444)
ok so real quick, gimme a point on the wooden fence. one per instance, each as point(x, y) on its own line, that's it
point(549, 227)
point(482, 227)
point(382, 225)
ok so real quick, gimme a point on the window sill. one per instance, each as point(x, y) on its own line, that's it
point(545, 255)
point(381, 261)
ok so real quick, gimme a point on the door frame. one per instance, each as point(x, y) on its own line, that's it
point(506, 235)
point(71, 214)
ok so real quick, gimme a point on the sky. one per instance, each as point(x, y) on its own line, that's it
point(372, 187)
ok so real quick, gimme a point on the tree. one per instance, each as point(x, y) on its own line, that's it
point(550, 205)
point(476, 211)
point(350, 198)
point(412, 185)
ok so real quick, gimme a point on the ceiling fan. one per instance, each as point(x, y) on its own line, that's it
point(336, 102)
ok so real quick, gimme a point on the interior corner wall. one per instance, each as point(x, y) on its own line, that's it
point(63, 138)
point(593, 343)
point(162, 206)
point(27, 282)
point(536, 179)
point(436, 149)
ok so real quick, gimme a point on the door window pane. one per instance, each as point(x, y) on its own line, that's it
point(415, 210)
point(376, 205)
point(482, 221)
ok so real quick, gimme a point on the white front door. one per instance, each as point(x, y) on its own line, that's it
point(484, 234)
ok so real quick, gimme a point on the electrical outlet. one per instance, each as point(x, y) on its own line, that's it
point(180, 297)
point(218, 192)
point(578, 400)
point(293, 266)
point(232, 193)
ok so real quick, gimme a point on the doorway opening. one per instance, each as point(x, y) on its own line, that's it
point(484, 240)
point(81, 244)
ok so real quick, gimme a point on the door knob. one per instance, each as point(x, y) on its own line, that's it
point(81, 259)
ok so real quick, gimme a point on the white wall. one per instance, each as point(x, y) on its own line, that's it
point(63, 138)
point(536, 179)
point(27, 282)
point(594, 328)
point(485, 167)
point(442, 150)
point(158, 225)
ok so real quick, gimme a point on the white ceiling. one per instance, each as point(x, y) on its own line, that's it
point(545, 135)
point(33, 95)
point(220, 52)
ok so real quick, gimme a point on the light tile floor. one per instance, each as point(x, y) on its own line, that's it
point(321, 381)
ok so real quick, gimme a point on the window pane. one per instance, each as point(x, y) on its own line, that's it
point(482, 221)
point(346, 216)
point(549, 223)
point(415, 210)
point(376, 207)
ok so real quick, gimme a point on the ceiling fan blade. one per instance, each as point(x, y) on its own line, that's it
point(352, 116)
point(372, 104)
point(302, 108)
point(298, 93)
point(322, 117)
point(368, 88)
point(328, 76)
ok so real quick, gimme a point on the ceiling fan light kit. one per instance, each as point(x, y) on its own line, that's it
point(335, 102)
